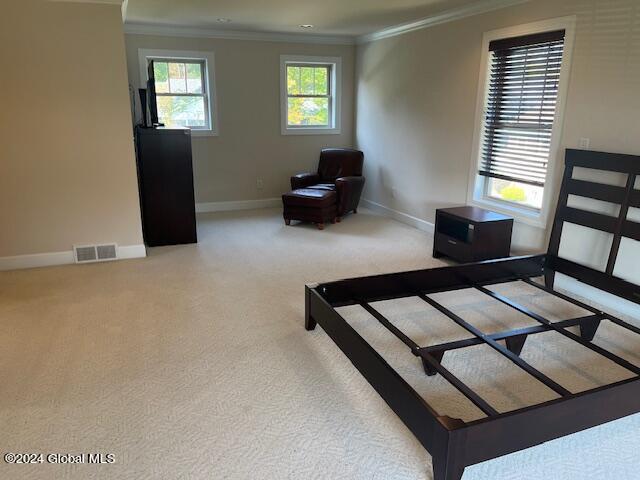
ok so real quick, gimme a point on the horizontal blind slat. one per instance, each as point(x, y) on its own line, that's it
point(524, 78)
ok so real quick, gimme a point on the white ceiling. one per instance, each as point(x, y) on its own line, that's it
point(329, 17)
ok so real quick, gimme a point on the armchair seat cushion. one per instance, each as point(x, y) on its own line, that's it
point(324, 186)
point(310, 197)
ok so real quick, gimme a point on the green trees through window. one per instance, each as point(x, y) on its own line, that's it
point(180, 93)
point(308, 95)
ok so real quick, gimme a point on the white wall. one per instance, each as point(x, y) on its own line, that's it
point(416, 100)
point(250, 144)
point(67, 165)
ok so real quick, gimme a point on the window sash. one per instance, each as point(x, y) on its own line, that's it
point(203, 82)
point(328, 95)
point(318, 125)
point(328, 68)
point(521, 100)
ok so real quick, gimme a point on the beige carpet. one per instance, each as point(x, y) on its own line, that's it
point(194, 363)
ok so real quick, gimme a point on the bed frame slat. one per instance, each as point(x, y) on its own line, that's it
point(538, 375)
point(469, 342)
point(583, 305)
point(390, 326)
point(539, 318)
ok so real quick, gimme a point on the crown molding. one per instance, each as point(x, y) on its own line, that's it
point(198, 32)
point(444, 17)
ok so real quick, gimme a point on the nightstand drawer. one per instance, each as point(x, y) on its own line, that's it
point(454, 248)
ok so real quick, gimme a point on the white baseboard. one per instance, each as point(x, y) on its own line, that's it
point(400, 216)
point(238, 205)
point(62, 258)
point(36, 260)
point(131, 251)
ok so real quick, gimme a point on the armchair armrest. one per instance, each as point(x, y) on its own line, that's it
point(349, 190)
point(349, 180)
point(302, 180)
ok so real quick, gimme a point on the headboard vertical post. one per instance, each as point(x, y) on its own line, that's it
point(622, 217)
point(558, 221)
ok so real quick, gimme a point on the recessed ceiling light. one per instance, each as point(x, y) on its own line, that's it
point(306, 25)
point(224, 20)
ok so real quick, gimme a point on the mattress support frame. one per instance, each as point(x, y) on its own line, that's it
point(453, 443)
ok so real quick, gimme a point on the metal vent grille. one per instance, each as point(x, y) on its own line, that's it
point(86, 254)
point(106, 252)
point(95, 253)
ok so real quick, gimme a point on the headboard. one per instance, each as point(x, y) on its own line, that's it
point(620, 226)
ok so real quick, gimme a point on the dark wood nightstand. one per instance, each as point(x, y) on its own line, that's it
point(471, 234)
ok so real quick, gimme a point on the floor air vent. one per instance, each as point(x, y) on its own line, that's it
point(95, 253)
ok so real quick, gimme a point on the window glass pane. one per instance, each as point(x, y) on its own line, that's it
point(182, 111)
point(308, 111)
point(161, 74)
point(322, 81)
point(307, 81)
point(194, 78)
point(293, 80)
point(177, 78)
point(515, 192)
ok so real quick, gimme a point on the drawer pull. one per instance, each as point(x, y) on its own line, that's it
point(452, 242)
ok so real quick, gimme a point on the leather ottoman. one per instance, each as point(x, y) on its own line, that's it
point(310, 205)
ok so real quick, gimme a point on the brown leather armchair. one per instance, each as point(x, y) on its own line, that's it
point(339, 170)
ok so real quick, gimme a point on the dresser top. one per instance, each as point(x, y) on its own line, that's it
point(475, 214)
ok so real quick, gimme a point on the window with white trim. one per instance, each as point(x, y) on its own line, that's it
point(519, 129)
point(310, 95)
point(184, 88)
point(181, 93)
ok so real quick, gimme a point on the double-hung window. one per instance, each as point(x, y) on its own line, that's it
point(310, 95)
point(519, 130)
point(181, 92)
point(184, 88)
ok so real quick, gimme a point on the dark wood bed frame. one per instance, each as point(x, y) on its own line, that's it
point(453, 443)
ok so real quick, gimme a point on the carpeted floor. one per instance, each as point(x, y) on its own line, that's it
point(194, 364)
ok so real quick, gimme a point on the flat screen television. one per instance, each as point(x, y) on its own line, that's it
point(151, 92)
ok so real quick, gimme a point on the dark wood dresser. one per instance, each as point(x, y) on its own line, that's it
point(165, 177)
point(471, 234)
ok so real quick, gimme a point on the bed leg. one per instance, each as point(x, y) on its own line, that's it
point(589, 328)
point(442, 471)
point(516, 344)
point(428, 369)
point(309, 322)
point(446, 459)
